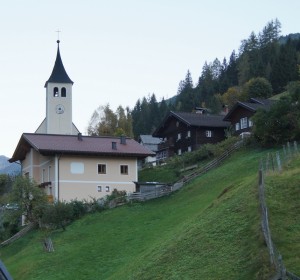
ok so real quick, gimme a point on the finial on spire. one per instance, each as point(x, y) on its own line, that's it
point(58, 31)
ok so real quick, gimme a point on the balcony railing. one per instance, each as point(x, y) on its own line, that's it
point(166, 145)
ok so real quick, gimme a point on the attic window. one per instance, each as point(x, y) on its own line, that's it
point(63, 92)
point(55, 92)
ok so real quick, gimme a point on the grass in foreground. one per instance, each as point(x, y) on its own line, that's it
point(208, 230)
point(283, 193)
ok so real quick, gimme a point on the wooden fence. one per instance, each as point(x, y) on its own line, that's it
point(273, 163)
point(18, 235)
point(167, 189)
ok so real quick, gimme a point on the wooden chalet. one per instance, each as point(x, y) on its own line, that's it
point(185, 132)
point(240, 114)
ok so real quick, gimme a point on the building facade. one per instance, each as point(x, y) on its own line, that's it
point(186, 132)
point(68, 165)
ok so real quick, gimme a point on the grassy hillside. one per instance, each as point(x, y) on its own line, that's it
point(283, 198)
point(210, 229)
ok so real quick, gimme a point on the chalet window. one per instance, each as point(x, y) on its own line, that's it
point(250, 123)
point(189, 148)
point(179, 152)
point(178, 136)
point(208, 133)
point(177, 124)
point(237, 126)
point(124, 169)
point(63, 92)
point(243, 122)
point(55, 92)
point(99, 188)
point(101, 168)
point(188, 134)
point(107, 188)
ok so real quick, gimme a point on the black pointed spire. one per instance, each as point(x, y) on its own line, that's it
point(59, 74)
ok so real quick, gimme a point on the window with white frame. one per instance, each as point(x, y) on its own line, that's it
point(237, 126)
point(244, 123)
point(250, 123)
point(99, 188)
point(208, 133)
point(107, 188)
point(189, 148)
point(179, 152)
point(188, 134)
point(101, 168)
point(178, 136)
point(124, 169)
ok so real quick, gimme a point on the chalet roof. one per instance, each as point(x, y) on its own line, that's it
point(253, 105)
point(193, 119)
point(59, 74)
point(52, 144)
point(150, 142)
point(149, 139)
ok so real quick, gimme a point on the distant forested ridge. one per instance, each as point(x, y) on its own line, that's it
point(263, 66)
point(272, 58)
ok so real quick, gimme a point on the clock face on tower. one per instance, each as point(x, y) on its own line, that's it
point(59, 109)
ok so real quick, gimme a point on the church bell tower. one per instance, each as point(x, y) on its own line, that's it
point(58, 101)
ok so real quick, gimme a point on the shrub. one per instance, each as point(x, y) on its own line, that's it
point(58, 215)
point(80, 208)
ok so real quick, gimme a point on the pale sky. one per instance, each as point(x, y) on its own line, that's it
point(116, 51)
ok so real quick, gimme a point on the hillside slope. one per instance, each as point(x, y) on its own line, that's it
point(210, 229)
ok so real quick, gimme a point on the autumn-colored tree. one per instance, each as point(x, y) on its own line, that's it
point(105, 122)
point(231, 96)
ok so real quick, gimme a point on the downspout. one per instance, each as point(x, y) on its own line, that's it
point(57, 158)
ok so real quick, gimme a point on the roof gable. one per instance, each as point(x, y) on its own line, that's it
point(252, 106)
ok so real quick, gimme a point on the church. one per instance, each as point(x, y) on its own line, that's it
point(67, 164)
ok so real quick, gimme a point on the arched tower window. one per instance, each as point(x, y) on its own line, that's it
point(63, 92)
point(55, 92)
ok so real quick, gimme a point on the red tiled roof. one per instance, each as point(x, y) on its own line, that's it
point(51, 144)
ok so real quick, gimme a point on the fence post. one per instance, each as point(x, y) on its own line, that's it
point(282, 269)
point(295, 147)
point(289, 149)
point(267, 162)
point(284, 152)
point(272, 161)
point(278, 161)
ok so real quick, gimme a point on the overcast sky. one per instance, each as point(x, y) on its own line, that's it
point(116, 51)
